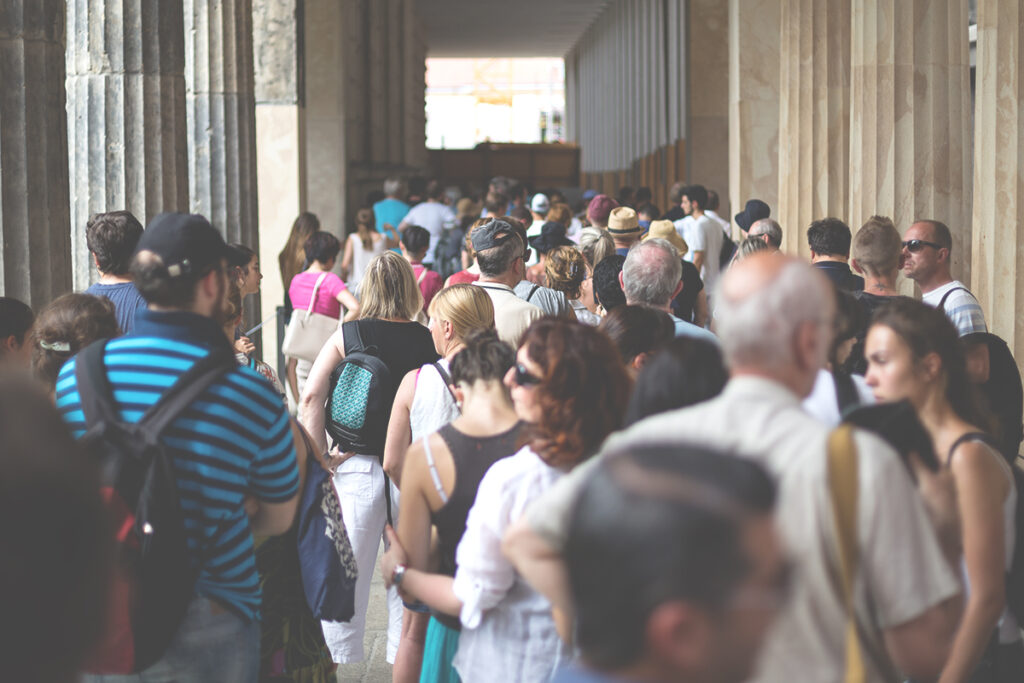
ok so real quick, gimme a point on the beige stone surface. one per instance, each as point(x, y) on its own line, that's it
point(707, 72)
point(814, 116)
point(997, 278)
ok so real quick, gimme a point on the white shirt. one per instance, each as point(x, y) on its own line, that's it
point(433, 405)
point(435, 217)
point(822, 402)
point(508, 633)
point(512, 315)
point(703, 234)
point(721, 221)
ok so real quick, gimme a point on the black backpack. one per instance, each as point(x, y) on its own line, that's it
point(448, 252)
point(140, 490)
point(729, 248)
point(1002, 393)
point(362, 391)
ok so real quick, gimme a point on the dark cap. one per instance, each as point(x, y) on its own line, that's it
point(186, 243)
point(755, 210)
point(552, 235)
point(492, 234)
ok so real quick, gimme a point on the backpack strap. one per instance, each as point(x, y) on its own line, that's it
point(846, 391)
point(447, 379)
point(423, 274)
point(186, 389)
point(942, 301)
point(968, 437)
point(94, 390)
point(533, 290)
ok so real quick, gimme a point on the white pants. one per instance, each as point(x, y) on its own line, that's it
point(360, 484)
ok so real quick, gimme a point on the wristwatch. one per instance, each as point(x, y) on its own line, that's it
point(397, 574)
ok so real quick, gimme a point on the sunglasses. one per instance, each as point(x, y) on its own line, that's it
point(523, 377)
point(914, 246)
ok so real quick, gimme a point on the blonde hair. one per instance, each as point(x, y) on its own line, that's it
point(876, 246)
point(596, 244)
point(566, 269)
point(389, 290)
point(559, 213)
point(467, 307)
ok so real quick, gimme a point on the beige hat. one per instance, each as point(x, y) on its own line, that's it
point(667, 231)
point(623, 221)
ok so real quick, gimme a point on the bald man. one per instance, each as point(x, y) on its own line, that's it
point(775, 318)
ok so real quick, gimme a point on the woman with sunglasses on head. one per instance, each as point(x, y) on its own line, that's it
point(913, 353)
point(570, 388)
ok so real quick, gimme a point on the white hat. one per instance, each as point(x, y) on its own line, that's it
point(540, 203)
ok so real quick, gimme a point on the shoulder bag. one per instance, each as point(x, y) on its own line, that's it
point(307, 332)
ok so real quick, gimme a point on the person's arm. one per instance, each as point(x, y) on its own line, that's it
point(539, 562)
point(978, 477)
point(292, 377)
point(350, 303)
point(346, 259)
point(314, 396)
point(433, 590)
point(698, 259)
point(390, 237)
point(399, 429)
point(244, 346)
point(700, 309)
point(276, 496)
point(920, 646)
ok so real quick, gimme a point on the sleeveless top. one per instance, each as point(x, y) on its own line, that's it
point(433, 405)
point(361, 259)
point(471, 457)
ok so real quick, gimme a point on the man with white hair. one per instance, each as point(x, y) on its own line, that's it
point(775, 318)
point(652, 276)
point(769, 230)
point(389, 212)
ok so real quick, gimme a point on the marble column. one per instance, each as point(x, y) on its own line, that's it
point(222, 116)
point(997, 275)
point(814, 116)
point(414, 89)
point(910, 145)
point(707, 79)
point(126, 114)
point(754, 103)
point(35, 245)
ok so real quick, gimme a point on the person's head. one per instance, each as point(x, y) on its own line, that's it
point(637, 332)
point(389, 290)
point(293, 255)
point(850, 321)
point(683, 372)
point(914, 352)
point(647, 214)
point(112, 238)
point(876, 248)
point(753, 211)
point(246, 268)
point(607, 286)
point(231, 315)
point(415, 242)
point(642, 196)
point(666, 230)
point(675, 193)
point(56, 541)
point(65, 327)
point(769, 230)
point(456, 312)
point(434, 191)
point(366, 224)
point(559, 213)
point(695, 199)
point(394, 188)
point(566, 269)
point(181, 264)
point(624, 226)
point(499, 249)
point(522, 216)
point(496, 203)
point(829, 237)
point(483, 359)
point(540, 204)
point(774, 317)
point(517, 192)
point(16, 320)
point(551, 237)
point(625, 196)
point(652, 273)
point(322, 248)
point(596, 245)
point(674, 564)
point(927, 245)
point(750, 246)
point(599, 208)
point(570, 385)
point(712, 201)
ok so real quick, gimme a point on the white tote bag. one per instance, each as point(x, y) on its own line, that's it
point(307, 332)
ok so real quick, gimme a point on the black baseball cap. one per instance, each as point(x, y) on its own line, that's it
point(186, 243)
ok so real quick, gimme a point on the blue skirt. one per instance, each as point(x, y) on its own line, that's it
point(438, 653)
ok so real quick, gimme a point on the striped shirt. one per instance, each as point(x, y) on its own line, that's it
point(233, 441)
point(960, 307)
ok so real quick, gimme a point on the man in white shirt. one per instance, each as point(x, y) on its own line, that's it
point(775, 318)
point(712, 213)
point(433, 215)
point(499, 253)
point(703, 235)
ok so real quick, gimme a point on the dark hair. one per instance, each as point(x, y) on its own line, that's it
point(497, 260)
point(239, 260)
point(649, 210)
point(940, 233)
point(434, 189)
point(16, 319)
point(625, 195)
point(684, 372)
point(851, 322)
point(483, 357)
point(607, 289)
point(321, 246)
point(522, 215)
point(675, 193)
point(415, 239)
point(712, 200)
point(637, 329)
point(112, 237)
point(292, 257)
point(657, 524)
point(232, 308)
point(365, 226)
point(157, 286)
point(927, 330)
point(73, 319)
point(582, 393)
point(697, 194)
point(643, 195)
point(496, 203)
point(56, 541)
point(829, 237)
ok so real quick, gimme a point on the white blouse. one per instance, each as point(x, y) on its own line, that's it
point(508, 634)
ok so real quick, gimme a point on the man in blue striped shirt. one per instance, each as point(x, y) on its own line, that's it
point(233, 448)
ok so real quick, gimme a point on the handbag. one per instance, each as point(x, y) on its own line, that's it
point(307, 332)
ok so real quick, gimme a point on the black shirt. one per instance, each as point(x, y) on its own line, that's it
point(841, 275)
point(674, 214)
point(684, 303)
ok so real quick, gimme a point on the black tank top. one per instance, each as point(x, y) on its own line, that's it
point(471, 458)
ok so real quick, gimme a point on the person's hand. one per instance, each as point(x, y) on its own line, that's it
point(938, 491)
point(244, 345)
point(250, 505)
point(334, 458)
point(394, 556)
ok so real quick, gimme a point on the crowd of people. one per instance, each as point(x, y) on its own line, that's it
point(598, 441)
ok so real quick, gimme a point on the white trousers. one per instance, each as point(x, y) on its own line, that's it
point(360, 485)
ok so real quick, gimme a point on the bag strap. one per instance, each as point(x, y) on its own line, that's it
point(965, 438)
point(846, 391)
point(94, 390)
point(942, 301)
point(843, 485)
point(447, 379)
point(423, 274)
point(533, 290)
point(316, 290)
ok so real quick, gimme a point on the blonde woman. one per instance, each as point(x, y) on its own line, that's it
point(567, 272)
point(291, 259)
point(390, 299)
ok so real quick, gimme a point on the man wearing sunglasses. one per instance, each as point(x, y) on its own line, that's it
point(927, 246)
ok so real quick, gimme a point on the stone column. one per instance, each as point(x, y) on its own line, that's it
point(126, 114)
point(35, 246)
point(754, 103)
point(707, 78)
point(814, 116)
point(997, 276)
point(910, 139)
point(222, 116)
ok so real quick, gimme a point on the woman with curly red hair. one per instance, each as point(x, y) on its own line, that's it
point(569, 385)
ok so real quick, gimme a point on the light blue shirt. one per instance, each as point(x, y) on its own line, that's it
point(685, 329)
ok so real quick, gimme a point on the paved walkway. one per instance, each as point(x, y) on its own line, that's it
point(375, 669)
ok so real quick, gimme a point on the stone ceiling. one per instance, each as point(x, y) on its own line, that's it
point(505, 28)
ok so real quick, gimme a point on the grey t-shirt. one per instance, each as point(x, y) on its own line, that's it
point(548, 300)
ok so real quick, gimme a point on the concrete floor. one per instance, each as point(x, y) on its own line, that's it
point(375, 669)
